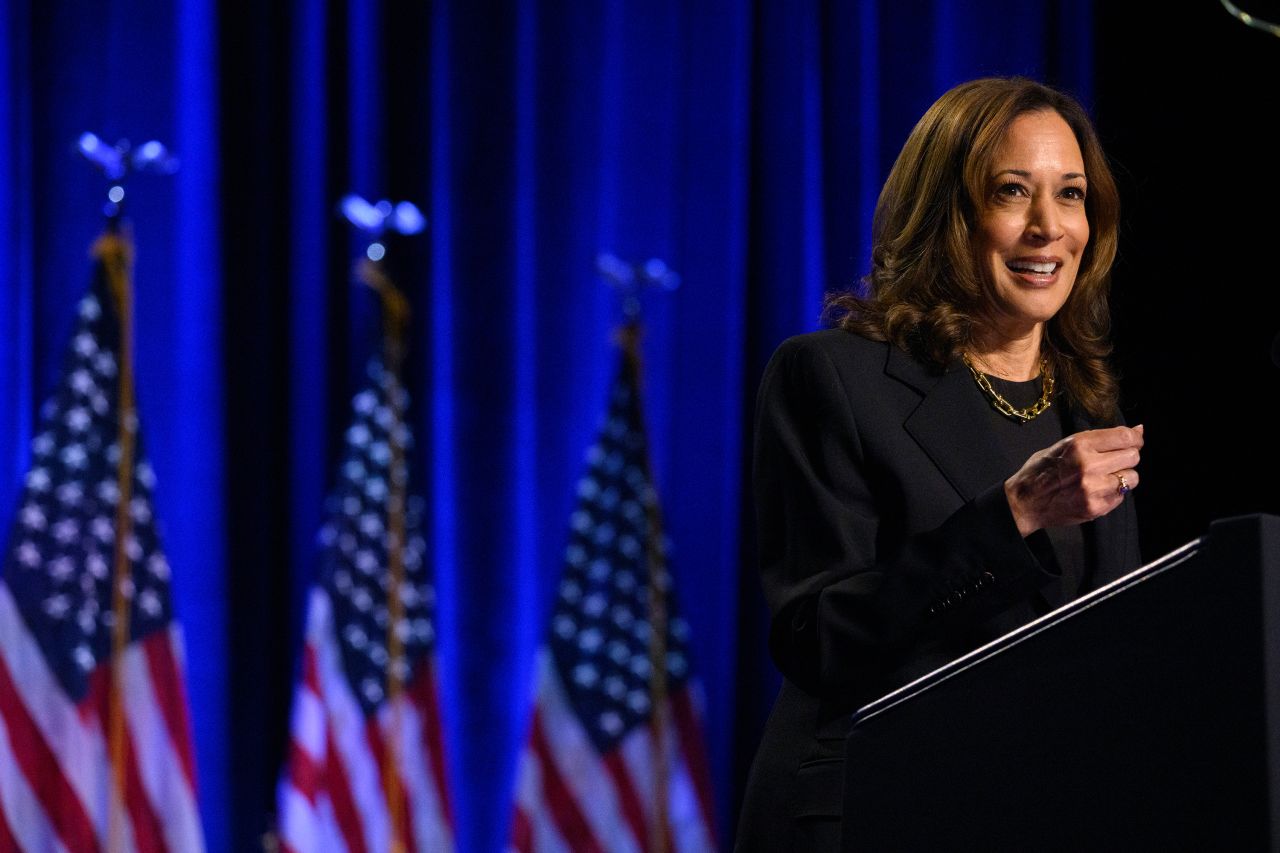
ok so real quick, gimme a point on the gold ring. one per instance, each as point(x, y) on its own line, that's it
point(1123, 488)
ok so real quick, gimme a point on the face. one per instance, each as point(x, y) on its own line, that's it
point(1032, 229)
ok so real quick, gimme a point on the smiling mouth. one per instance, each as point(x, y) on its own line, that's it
point(1034, 267)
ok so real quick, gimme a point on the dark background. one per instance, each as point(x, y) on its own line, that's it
point(1183, 103)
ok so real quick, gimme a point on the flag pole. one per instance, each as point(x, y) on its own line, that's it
point(114, 250)
point(395, 320)
point(629, 280)
point(657, 595)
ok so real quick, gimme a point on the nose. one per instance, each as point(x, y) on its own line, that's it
point(1044, 223)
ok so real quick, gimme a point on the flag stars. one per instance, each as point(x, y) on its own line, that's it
point(580, 521)
point(78, 419)
point(42, 445)
point(66, 530)
point(588, 488)
point(677, 664)
point(108, 492)
point(70, 493)
point(74, 456)
point(353, 469)
point(629, 547)
point(158, 566)
point(84, 658)
point(576, 555)
point(105, 364)
point(604, 534)
point(615, 688)
point(102, 529)
point(570, 591)
point(590, 640)
point(358, 436)
point(38, 480)
point(28, 555)
point(355, 637)
point(625, 581)
point(375, 488)
point(366, 562)
point(97, 565)
point(599, 570)
point(640, 666)
point(81, 382)
point(140, 509)
point(586, 675)
point(595, 604)
point(361, 600)
point(84, 345)
point(61, 568)
point(611, 723)
point(57, 606)
point(622, 616)
point(32, 517)
point(370, 524)
point(89, 309)
point(365, 402)
point(146, 476)
point(618, 652)
point(638, 701)
point(149, 603)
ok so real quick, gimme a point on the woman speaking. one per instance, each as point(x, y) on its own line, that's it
point(947, 462)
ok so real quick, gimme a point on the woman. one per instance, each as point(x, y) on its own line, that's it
point(946, 463)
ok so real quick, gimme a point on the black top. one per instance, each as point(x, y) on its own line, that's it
point(1018, 441)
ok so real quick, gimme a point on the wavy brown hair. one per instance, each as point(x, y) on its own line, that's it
point(926, 291)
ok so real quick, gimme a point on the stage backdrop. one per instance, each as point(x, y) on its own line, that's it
point(742, 143)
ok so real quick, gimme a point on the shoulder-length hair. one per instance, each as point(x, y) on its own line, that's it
point(926, 290)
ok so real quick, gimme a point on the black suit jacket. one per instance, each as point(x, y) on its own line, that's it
point(887, 548)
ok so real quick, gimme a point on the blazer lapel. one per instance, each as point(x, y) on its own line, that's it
point(950, 424)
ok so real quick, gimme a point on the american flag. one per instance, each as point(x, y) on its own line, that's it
point(615, 759)
point(365, 769)
point(59, 788)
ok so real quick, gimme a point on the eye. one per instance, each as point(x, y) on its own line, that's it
point(1074, 193)
point(1011, 190)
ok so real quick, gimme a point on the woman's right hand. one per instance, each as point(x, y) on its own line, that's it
point(1080, 478)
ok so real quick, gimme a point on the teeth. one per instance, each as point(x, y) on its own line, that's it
point(1031, 266)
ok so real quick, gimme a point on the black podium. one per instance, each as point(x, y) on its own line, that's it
point(1144, 716)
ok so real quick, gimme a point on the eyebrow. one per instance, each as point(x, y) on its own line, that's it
point(1023, 173)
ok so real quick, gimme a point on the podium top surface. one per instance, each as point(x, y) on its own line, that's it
point(1086, 602)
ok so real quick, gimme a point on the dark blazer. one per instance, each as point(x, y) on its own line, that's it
point(887, 548)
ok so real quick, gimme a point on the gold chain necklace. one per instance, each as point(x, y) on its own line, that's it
point(1002, 405)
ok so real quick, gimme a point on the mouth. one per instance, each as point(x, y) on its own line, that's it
point(1034, 267)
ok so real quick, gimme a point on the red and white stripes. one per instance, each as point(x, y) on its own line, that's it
point(55, 778)
point(569, 798)
point(332, 796)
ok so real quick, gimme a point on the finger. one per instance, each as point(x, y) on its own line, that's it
point(1112, 438)
point(1124, 481)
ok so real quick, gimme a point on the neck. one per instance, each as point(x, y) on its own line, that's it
point(1016, 359)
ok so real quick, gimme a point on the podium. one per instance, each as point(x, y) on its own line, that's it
point(1143, 716)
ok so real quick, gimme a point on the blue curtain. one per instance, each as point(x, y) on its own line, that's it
point(743, 144)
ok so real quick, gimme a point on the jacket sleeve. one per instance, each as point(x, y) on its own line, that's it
point(852, 596)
